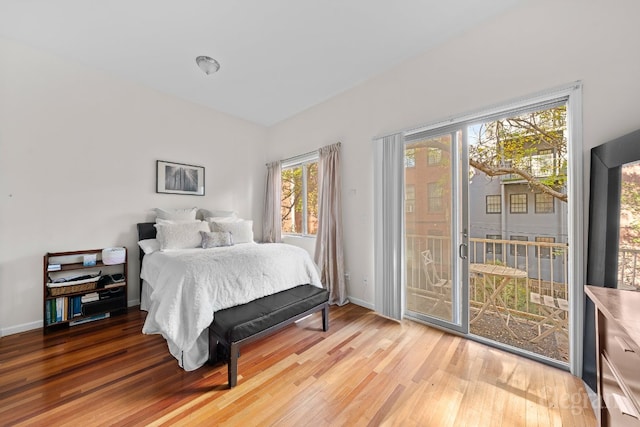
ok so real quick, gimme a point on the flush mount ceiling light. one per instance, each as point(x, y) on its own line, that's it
point(207, 64)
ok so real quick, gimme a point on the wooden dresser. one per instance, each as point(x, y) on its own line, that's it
point(618, 359)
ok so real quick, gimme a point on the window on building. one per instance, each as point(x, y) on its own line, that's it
point(299, 207)
point(518, 203)
point(544, 251)
point(494, 204)
point(516, 249)
point(434, 156)
point(544, 203)
point(434, 197)
point(493, 248)
point(410, 158)
point(409, 198)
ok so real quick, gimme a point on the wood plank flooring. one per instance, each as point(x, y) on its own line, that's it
point(367, 370)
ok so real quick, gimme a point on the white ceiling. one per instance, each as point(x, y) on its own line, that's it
point(277, 57)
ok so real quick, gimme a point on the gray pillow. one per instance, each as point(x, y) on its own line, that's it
point(215, 239)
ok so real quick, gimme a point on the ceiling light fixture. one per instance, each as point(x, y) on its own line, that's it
point(207, 64)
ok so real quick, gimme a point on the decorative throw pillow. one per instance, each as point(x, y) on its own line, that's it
point(241, 231)
point(149, 246)
point(177, 214)
point(181, 235)
point(215, 239)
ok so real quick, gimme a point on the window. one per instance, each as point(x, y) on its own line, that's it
point(518, 203)
point(299, 207)
point(516, 249)
point(409, 198)
point(494, 204)
point(544, 203)
point(434, 197)
point(410, 158)
point(434, 156)
point(544, 251)
point(493, 248)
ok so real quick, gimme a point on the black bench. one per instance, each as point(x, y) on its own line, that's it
point(233, 327)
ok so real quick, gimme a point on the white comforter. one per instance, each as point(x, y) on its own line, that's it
point(188, 286)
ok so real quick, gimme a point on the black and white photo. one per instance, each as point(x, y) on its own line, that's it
point(178, 178)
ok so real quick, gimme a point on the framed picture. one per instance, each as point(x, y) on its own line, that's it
point(178, 178)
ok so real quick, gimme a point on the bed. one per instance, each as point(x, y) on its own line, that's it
point(182, 290)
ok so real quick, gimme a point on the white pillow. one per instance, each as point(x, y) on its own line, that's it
point(241, 231)
point(149, 246)
point(182, 235)
point(218, 214)
point(215, 239)
point(174, 221)
point(177, 214)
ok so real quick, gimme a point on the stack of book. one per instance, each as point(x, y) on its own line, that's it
point(93, 296)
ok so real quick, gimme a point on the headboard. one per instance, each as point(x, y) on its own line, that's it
point(146, 230)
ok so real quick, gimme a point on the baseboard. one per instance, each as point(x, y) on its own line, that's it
point(361, 303)
point(17, 329)
point(25, 327)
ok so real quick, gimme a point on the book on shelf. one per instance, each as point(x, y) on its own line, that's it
point(93, 296)
point(89, 319)
point(54, 267)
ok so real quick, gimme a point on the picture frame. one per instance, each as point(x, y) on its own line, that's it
point(179, 178)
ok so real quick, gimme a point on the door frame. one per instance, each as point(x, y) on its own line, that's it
point(572, 95)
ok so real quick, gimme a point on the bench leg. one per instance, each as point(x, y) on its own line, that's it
point(232, 368)
point(325, 318)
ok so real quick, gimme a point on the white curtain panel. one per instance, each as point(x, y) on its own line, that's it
point(329, 252)
point(388, 225)
point(272, 225)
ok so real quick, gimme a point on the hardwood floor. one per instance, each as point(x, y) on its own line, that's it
point(366, 370)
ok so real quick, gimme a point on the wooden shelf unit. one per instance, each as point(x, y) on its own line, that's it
point(112, 300)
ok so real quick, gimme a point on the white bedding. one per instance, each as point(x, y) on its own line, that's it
point(185, 288)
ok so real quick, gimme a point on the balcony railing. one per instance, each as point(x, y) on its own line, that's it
point(544, 263)
point(540, 166)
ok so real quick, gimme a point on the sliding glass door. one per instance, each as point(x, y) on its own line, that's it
point(435, 238)
point(486, 228)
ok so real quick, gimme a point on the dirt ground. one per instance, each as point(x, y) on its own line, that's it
point(490, 326)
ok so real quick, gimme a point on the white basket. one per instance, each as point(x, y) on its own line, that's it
point(111, 256)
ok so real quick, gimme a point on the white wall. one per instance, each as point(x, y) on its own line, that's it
point(541, 45)
point(77, 167)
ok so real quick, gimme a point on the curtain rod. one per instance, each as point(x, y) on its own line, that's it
point(302, 156)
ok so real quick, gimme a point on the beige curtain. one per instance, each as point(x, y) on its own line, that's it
point(271, 224)
point(329, 254)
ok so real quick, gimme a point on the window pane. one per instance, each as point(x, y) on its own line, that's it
point(291, 206)
point(434, 197)
point(494, 204)
point(544, 203)
point(518, 203)
point(409, 198)
point(312, 198)
point(494, 248)
point(434, 156)
point(410, 158)
point(516, 249)
point(544, 251)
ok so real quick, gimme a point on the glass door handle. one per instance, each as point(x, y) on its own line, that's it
point(463, 250)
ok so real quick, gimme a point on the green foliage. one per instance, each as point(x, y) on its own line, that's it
point(630, 206)
point(532, 146)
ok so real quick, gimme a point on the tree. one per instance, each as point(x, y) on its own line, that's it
point(292, 207)
point(511, 145)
